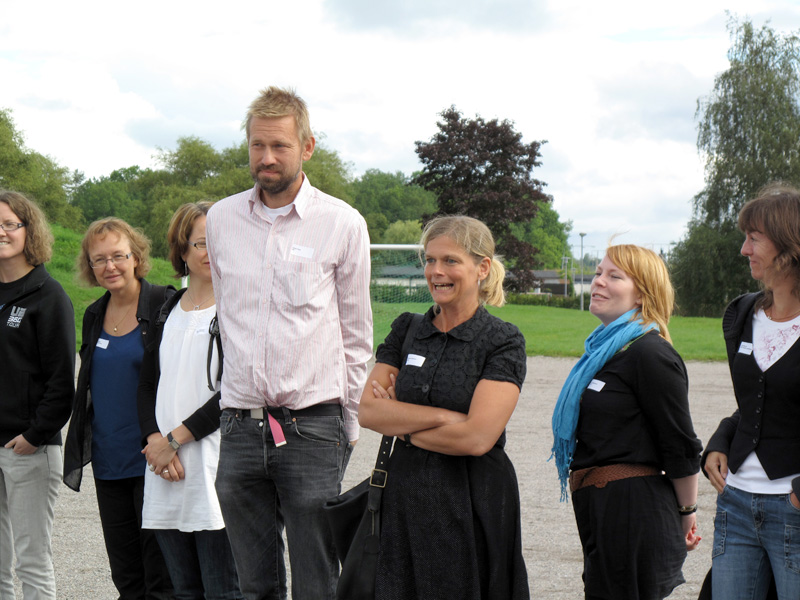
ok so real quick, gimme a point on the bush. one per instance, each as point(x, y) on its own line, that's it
point(548, 300)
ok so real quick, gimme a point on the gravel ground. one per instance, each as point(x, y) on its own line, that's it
point(551, 545)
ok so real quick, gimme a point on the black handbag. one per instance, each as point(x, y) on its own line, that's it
point(355, 516)
point(355, 521)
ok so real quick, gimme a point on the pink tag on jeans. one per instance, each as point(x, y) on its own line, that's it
point(277, 431)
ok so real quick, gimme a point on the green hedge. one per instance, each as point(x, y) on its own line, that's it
point(545, 300)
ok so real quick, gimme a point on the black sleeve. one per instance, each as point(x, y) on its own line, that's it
point(205, 420)
point(507, 362)
point(146, 394)
point(55, 337)
point(391, 350)
point(663, 394)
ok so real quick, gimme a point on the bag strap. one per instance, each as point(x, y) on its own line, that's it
point(213, 330)
point(377, 480)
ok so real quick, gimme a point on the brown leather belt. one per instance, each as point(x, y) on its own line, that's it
point(600, 476)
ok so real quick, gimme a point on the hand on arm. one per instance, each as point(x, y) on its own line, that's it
point(382, 412)
point(493, 403)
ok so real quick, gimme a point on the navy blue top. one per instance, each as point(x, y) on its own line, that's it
point(116, 441)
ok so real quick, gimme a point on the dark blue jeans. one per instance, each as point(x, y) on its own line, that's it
point(263, 489)
point(753, 535)
point(200, 564)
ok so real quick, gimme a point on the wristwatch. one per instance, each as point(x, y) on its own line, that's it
point(173, 443)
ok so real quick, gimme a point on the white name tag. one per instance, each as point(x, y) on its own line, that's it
point(101, 343)
point(415, 360)
point(302, 251)
point(746, 348)
point(596, 385)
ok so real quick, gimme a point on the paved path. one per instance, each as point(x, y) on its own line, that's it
point(551, 545)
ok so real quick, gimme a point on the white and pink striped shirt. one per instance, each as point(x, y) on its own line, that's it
point(293, 302)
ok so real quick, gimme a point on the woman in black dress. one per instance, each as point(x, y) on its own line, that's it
point(451, 511)
point(623, 428)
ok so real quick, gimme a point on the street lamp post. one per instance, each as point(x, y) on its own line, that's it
point(564, 265)
point(582, 236)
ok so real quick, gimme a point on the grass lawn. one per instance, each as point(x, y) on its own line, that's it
point(561, 331)
point(548, 331)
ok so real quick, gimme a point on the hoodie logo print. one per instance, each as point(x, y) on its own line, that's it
point(15, 319)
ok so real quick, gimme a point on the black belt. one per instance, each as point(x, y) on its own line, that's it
point(318, 410)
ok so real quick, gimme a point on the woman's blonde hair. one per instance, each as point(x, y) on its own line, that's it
point(38, 237)
point(180, 229)
point(651, 278)
point(474, 237)
point(140, 247)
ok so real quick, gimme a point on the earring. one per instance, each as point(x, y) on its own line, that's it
point(185, 269)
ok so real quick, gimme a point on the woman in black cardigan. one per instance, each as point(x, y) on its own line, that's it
point(753, 459)
point(104, 427)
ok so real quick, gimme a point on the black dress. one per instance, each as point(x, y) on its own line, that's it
point(451, 524)
point(635, 411)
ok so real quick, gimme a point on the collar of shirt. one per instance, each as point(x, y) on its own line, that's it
point(300, 201)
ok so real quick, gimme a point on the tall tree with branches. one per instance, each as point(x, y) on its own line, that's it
point(483, 169)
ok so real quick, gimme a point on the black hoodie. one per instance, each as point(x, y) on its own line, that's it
point(37, 359)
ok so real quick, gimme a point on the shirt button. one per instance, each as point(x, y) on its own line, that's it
point(760, 395)
point(755, 441)
point(758, 410)
point(425, 388)
point(756, 425)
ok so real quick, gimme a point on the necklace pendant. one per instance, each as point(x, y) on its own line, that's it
point(196, 307)
point(115, 330)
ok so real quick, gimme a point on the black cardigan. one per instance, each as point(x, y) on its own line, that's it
point(78, 446)
point(768, 418)
point(203, 421)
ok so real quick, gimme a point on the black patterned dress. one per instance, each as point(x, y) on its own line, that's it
point(451, 524)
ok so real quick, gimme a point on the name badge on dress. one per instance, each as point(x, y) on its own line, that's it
point(415, 360)
point(302, 251)
point(745, 348)
point(596, 385)
point(102, 344)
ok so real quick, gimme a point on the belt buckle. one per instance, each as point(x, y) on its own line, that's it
point(256, 413)
point(378, 478)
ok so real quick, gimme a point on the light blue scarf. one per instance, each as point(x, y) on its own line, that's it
point(602, 344)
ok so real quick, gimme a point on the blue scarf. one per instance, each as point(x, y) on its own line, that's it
point(602, 344)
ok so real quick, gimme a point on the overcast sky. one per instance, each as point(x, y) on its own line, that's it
point(612, 86)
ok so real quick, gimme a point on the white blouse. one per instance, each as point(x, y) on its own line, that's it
point(190, 504)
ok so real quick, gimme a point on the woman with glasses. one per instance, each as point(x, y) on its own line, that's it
point(179, 417)
point(104, 427)
point(37, 351)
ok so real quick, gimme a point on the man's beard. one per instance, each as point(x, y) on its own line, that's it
point(277, 186)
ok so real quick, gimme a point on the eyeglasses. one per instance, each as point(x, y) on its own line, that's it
point(199, 245)
point(100, 263)
point(9, 226)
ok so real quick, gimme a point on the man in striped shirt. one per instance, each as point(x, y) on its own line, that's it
point(291, 271)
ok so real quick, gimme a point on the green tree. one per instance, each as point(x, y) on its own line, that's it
point(748, 132)
point(328, 172)
point(403, 232)
point(35, 175)
point(392, 195)
point(547, 234)
point(483, 169)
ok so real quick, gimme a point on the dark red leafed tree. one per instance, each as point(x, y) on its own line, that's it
point(484, 170)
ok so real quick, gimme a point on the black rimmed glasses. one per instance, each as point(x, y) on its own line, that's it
point(10, 226)
point(100, 262)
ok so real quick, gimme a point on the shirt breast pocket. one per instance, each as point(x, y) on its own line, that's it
point(297, 283)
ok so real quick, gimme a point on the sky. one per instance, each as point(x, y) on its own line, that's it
point(611, 86)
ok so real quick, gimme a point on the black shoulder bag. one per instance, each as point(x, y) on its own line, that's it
point(355, 517)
